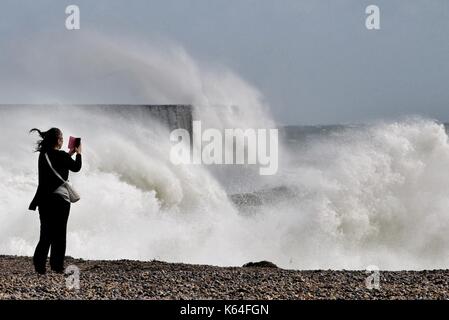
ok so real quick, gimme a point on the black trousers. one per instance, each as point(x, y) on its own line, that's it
point(53, 214)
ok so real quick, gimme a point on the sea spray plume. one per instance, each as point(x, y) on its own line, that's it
point(194, 201)
point(365, 195)
point(97, 69)
point(126, 167)
point(126, 176)
point(374, 195)
point(371, 194)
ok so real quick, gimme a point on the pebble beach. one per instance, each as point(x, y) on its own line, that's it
point(126, 279)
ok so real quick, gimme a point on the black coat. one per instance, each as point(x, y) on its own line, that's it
point(62, 162)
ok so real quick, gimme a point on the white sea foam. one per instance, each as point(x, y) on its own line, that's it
point(376, 195)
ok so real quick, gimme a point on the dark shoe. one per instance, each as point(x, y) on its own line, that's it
point(40, 271)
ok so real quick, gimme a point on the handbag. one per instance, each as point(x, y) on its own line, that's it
point(71, 193)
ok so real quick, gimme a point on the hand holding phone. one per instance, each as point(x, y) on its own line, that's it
point(74, 142)
point(74, 145)
point(78, 149)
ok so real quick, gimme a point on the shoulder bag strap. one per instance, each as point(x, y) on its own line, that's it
point(56, 173)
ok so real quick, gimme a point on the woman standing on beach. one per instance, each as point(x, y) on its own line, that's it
point(54, 206)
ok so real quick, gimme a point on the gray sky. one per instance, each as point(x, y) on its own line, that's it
point(314, 61)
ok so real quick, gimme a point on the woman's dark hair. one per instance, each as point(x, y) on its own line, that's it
point(49, 139)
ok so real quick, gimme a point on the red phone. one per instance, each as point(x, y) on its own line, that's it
point(74, 142)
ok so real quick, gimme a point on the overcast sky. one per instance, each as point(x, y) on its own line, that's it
point(314, 61)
